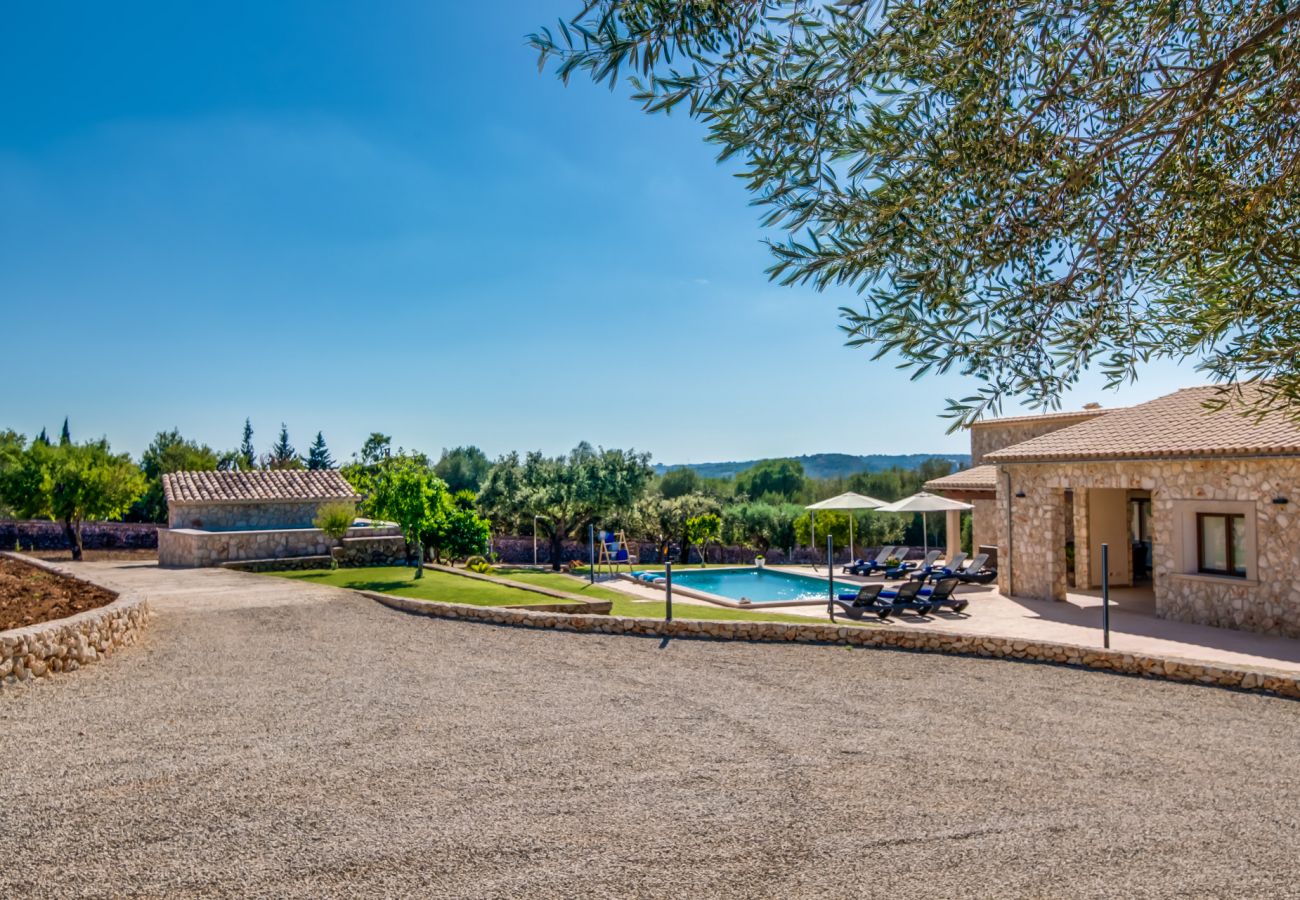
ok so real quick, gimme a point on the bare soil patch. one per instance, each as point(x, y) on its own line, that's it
point(29, 595)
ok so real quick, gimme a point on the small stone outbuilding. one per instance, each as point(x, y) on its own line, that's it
point(243, 501)
point(216, 518)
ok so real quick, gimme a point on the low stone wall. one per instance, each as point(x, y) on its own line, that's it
point(65, 645)
point(1263, 681)
point(188, 547)
point(42, 534)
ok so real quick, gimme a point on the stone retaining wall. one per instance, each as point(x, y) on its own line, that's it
point(65, 645)
point(1259, 680)
point(193, 548)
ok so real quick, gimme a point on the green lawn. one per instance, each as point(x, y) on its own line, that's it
point(455, 589)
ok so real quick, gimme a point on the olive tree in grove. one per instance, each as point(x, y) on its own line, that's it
point(571, 491)
point(1016, 191)
point(70, 483)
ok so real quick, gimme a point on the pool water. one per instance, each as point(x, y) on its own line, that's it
point(755, 585)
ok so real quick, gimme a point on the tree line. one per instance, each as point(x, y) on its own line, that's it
point(449, 507)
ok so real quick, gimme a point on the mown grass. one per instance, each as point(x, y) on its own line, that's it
point(399, 580)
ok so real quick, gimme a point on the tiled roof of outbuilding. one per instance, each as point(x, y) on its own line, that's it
point(1176, 425)
point(255, 487)
point(978, 478)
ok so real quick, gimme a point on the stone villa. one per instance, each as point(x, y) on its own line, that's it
point(216, 518)
point(1194, 504)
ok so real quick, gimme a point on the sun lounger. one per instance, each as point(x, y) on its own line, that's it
point(867, 567)
point(941, 595)
point(975, 573)
point(855, 606)
point(933, 572)
point(904, 567)
point(906, 596)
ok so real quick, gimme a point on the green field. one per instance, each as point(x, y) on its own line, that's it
point(440, 586)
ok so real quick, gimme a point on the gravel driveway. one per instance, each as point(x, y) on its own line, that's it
point(272, 739)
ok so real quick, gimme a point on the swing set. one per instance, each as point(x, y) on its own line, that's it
point(614, 552)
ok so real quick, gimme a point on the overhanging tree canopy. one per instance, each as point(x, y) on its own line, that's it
point(1017, 190)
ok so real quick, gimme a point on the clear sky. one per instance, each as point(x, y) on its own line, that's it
point(354, 217)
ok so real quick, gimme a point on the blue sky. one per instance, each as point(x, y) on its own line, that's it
point(355, 217)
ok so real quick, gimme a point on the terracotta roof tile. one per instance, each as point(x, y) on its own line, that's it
point(246, 487)
point(978, 478)
point(1174, 425)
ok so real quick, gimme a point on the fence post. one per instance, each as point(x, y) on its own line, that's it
point(830, 576)
point(591, 543)
point(668, 591)
point(1105, 596)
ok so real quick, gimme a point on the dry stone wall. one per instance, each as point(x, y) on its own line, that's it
point(65, 645)
point(42, 534)
point(193, 548)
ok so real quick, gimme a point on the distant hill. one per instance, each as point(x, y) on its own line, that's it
point(826, 465)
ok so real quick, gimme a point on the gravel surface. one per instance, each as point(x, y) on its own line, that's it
point(272, 739)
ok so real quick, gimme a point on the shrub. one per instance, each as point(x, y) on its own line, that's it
point(335, 519)
point(478, 564)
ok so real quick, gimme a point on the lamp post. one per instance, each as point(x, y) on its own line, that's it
point(535, 518)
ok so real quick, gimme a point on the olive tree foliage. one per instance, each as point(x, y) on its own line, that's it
point(572, 491)
point(1016, 191)
point(69, 483)
point(761, 524)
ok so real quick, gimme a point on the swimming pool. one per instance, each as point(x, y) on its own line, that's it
point(755, 585)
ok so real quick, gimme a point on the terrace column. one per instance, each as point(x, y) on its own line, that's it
point(1082, 545)
point(954, 533)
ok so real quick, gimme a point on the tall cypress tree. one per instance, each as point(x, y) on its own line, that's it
point(65, 436)
point(283, 455)
point(42, 438)
point(247, 455)
point(318, 455)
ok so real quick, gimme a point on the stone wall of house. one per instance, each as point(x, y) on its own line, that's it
point(985, 524)
point(1269, 604)
point(241, 516)
point(65, 645)
point(917, 639)
point(42, 534)
point(986, 437)
point(188, 547)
